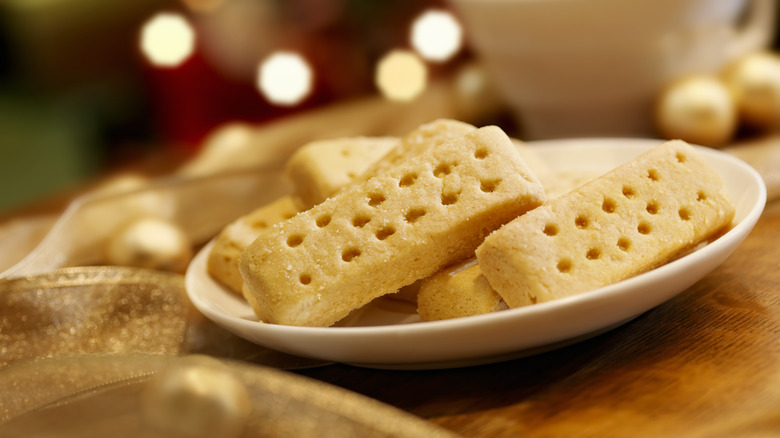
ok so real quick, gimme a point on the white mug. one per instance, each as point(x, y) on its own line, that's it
point(578, 68)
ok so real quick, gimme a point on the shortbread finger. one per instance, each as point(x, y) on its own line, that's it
point(632, 219)
point(222, 262)
point(320, 168)
point(400, 226)
point(457, 292)
point(317, 170)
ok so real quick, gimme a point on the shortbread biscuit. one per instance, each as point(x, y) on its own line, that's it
point(320, 168)
point(636, 217)
point(457, 292)
point(222, 262)
point(402, 225)
point(317, 170)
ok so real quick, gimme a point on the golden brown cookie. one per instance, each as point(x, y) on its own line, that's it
point(402, 225)
point(636, 217)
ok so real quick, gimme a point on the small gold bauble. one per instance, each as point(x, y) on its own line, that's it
point(754, 81)
point(196, 397)
point(152, 243)
point(698, 109)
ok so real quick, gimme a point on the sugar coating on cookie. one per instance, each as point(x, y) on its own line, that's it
point(222, 262)
point(636, 217)
point(402, 225)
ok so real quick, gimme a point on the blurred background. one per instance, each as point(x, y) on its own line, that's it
point(87, 86)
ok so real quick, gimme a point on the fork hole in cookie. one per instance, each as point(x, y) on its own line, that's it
point(481, 154)
point(407, 180)
point(384, 233)
point(414, 214)
point(653, 175)
point(624, 244)
point(360, 221)
point(644, 228)
point(323, 220)
point(442, 170)
point(375, 199)
point(593, 254)
point(304, 279)
point(581, 222)
point(684, 214)
point(609, 205)
point(564, 266)
point(652, 207)
point(349, 254)
point(628, 192)
point(294, 240)
point(489, 186)
point(681, 158)
point(550, 229)
point(701, 196)
point(449, 198)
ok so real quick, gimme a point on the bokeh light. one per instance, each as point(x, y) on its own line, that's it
point(436, 35)
point(401, 75)
point(167, 40)
point(285, 78)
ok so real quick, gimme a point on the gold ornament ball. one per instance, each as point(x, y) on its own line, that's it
point(152, 243)
point(196, 397)
point(698, 109)
point(754, 80)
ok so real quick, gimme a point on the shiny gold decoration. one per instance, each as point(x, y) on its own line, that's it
point(151, 243)
point(31, 384)
point(698, 109)
point(196, 397)
point(754, 81)
point(117, 310)
point(92, 310)
point(283, 405)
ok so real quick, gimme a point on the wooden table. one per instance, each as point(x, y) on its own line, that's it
point(705, 364)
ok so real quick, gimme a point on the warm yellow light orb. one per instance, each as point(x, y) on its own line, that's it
point(401, 75)
point(436, 35)
point(285, 78)
point(167, 40)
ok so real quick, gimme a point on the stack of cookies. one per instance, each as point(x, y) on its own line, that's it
point(457, 216)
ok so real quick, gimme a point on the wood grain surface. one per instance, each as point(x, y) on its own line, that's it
point(704, 364)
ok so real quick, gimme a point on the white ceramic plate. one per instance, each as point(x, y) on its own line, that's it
point(388, 334)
